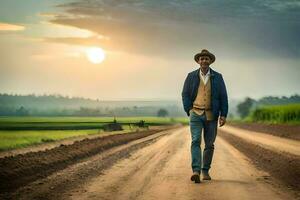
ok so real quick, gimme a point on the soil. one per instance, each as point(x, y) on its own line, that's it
point(150, 165)
point(280, 130)
point(284, 167)
point(19, 170)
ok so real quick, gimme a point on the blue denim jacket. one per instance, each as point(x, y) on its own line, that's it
point(219, 99)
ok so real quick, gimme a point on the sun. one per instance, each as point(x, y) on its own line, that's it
point(95, 55)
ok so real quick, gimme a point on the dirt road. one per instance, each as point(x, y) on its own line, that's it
point(162, 171)
point(159, 169)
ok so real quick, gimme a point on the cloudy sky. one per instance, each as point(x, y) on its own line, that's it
point(149, 46)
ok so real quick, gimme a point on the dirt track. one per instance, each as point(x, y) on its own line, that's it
point(156, 167)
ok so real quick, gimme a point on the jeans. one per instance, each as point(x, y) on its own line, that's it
point(197, 123)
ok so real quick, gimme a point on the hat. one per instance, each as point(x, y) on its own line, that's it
point(205, 52)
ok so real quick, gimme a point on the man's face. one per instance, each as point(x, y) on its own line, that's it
point(204, 61)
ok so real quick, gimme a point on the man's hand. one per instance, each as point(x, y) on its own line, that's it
point(222, 121)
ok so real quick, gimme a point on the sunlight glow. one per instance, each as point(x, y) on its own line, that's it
point(95, 55)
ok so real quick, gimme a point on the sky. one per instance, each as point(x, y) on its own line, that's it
point(149, 46)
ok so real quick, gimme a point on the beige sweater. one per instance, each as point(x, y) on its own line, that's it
point(203, 100)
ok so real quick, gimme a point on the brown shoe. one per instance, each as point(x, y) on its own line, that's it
point(205, 175)
point(195, 177)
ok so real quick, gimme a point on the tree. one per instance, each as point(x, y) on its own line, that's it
point(22, 111)
point(245, 107)
point(162, 113)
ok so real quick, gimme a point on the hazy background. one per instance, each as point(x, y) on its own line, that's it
point(149, 46)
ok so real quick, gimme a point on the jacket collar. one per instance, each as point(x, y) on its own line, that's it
point(212, 72)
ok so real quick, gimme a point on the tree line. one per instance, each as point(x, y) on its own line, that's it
point(58, 105)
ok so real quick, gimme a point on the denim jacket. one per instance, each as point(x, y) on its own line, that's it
point(219, 99)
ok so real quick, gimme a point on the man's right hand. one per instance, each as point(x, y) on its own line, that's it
point(222, 121)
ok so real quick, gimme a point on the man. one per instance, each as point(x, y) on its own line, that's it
point(205, 101)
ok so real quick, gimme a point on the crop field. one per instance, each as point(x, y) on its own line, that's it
point(277, 114)
point(78, 123)
point(16, 132)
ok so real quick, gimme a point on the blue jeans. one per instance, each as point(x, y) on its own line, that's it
point(197, 123)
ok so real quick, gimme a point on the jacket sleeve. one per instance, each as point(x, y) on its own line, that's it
point(223, 98)
point(186, 99)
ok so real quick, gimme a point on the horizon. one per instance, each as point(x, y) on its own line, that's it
point(139, 99)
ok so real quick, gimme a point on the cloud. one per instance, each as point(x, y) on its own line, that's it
point(178, 29)
point(11, 27)
point(280, 6)
point(47, 14)
point(88, 41)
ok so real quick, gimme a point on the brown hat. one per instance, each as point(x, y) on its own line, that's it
point(205, 52)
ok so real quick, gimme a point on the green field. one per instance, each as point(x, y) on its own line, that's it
point(77, 123)
point(279, 114)
point(17, 132)
point(17, 139)
point(287, 114)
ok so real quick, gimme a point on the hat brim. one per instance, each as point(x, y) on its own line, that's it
point(210, 55)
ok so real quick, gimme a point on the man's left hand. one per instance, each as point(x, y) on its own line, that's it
point(222, 121)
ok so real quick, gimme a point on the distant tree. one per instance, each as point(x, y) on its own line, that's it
point(162, 113)
point(273, 100)
point(295, 98)
point(245, 107)
point(22, 111)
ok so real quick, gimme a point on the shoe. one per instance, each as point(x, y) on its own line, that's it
point(195, 177)
point(205, 175)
